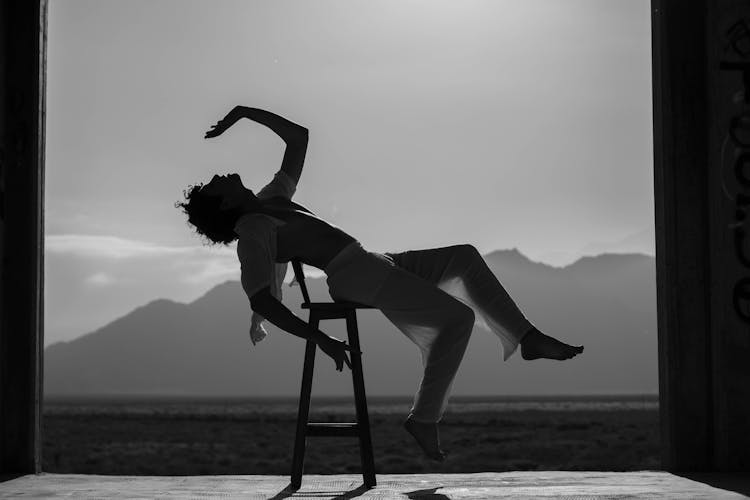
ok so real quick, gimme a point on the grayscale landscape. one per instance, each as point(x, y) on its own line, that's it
point(607, 303)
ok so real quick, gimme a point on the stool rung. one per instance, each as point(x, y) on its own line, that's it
point(332, 429)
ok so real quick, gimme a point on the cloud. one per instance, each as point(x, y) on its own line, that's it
point(113, 247)
point(100, 279)
point(111, 260)
point(189, 264)
point(208, 269)
point(92, 279)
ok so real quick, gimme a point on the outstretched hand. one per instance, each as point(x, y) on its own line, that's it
point(222, 125)
point(336, 349)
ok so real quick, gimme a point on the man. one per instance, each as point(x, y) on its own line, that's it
point(434, 296)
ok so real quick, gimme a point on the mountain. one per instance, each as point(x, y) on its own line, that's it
point(606, 302)
point(642, 241)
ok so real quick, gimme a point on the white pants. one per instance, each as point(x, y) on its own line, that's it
point(434, 297)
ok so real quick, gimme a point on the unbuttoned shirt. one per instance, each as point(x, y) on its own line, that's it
point(256, 250)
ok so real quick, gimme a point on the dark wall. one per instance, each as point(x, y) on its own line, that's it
point(728, 125)
point(22, 52)
point(681, 211)
point(701, 71)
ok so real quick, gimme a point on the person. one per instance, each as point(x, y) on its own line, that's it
point(434, 296)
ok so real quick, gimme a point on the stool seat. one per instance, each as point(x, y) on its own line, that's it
point(361, 428)
point(334, 306)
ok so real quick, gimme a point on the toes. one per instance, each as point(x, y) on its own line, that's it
point(574, 354)
point(425, 442)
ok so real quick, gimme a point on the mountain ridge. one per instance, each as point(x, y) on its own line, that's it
point(202, 346)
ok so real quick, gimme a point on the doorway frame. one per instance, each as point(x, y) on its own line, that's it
point(692, 433)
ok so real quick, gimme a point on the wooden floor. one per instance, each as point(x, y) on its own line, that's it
point(521, 485)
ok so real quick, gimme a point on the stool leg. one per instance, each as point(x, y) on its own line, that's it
point(304, 407)
point(360, 401)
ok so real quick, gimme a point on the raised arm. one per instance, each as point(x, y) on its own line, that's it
point(295, 136)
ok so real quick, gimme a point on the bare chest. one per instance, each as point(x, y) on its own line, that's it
point(309, 239)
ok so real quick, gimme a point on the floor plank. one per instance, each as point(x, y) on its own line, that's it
point(517, 485)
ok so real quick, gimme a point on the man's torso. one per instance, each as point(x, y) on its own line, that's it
point(304, 236)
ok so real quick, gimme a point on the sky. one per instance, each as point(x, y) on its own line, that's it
point(502, 123)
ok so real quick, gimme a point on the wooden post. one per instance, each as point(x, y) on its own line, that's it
point(678, 33)
point(728, 131)
point(703, 275)
point(22, 69)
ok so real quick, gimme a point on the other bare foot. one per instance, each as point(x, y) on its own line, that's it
point(427, 437)
point(536, 345)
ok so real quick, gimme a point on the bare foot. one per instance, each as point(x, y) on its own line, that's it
point(536, 345)
point(427, 437)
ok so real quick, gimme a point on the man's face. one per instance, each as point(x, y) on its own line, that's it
point(229, 187)
point(222, 184)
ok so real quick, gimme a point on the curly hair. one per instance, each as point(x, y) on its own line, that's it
point(206, 215)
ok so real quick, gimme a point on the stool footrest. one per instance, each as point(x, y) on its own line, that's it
point(332, 429)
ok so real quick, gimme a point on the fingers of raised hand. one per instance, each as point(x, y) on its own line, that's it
point(216, 129)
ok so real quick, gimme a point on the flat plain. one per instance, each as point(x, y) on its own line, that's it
point(183, 436)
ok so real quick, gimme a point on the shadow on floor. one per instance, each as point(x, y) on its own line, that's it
point(738, 483)
point(290, 491)
point(428, 494)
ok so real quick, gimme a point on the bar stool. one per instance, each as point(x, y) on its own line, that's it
point(360, 429)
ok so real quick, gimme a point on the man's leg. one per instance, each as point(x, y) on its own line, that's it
point(461, 271)
point(441, 326)
point(436, 322)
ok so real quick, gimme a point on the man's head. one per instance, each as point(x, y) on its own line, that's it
point(214, 208)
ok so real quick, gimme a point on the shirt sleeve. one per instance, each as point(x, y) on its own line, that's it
point(281, 185)
point(256, 250)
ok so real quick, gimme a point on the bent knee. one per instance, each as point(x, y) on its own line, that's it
point(463, 317)
point(456, 332)
point(466, 252)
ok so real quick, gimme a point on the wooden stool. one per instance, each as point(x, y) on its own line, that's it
point(360, 429)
